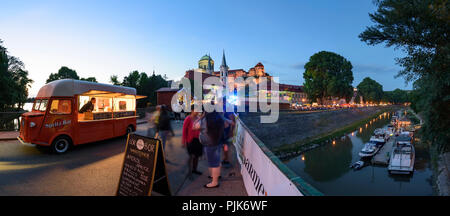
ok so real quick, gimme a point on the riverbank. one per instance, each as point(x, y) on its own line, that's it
point(443, 174)
point(295, 133)
point(301, 146)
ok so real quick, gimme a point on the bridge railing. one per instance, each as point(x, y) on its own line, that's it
point(263, 173)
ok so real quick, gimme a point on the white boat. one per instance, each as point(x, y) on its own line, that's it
point(390, 130)
point(357, 165)
point(380, 137)
point(402, 156)
point(369, 150)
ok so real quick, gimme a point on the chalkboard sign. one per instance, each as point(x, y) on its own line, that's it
point(144, 168)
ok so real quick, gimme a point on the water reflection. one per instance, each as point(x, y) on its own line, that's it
point(11, 121)
point(321, 164)
point(327, 168)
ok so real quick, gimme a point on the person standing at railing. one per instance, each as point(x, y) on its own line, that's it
point(227, 137)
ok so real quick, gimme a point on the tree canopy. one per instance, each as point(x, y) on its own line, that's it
point(326, 75)
point(370, 90)
point(14, 81)
point(397, 96)
point(144, 85)
point(67, 73)
point(421, 29)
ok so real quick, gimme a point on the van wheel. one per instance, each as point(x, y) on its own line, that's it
point(129, 130)
point(61, 144)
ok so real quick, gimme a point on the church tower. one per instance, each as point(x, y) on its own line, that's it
point(224, 70)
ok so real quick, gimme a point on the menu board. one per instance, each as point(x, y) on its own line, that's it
point(143, 167)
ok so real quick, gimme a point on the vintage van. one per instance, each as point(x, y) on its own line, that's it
point(55, 120)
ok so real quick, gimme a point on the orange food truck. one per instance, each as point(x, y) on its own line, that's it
point(56, 121)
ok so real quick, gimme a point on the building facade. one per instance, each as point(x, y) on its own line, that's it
point(289, 94)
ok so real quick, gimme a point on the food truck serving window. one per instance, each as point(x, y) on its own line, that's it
point(124, 104)
point(60, 107)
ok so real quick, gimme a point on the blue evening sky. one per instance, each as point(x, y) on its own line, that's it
point(103, 38)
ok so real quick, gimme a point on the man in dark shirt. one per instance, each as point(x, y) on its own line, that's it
point(88, 107)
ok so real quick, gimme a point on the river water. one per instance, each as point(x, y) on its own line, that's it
point(11, 121)
point(327, 168)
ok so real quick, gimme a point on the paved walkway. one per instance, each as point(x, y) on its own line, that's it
point(8, 135)
point(183, 183)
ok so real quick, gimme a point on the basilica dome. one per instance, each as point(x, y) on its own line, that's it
point(203, 62)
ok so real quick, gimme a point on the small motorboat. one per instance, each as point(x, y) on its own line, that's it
point(379, 137)
point(357, 165)
point(369, 150)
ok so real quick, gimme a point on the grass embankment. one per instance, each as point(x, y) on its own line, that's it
point(313, 142)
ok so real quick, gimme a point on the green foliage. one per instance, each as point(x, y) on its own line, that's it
point(421, 29)
point(90, 79)
point(67, 73)
point(397, 96)
point(144, 85)
point(370, 90)
point(115, 80)
point(63, 73)
point(328, 75)
point(14, 81)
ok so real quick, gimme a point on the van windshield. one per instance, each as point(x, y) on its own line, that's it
point(43, 105)
point(36, 104)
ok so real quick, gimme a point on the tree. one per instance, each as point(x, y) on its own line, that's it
point(326, 75)
point(397, 96)
point(114, 80)
point(132, 79)
point(63, 73)
point(14, 81)
point(370, 90)
point(143, 84)
point(421, 29)
point(90, 79)
point(67, 73)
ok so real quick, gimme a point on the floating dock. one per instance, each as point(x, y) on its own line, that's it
point(383, 155)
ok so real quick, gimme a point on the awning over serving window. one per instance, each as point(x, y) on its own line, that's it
point(95, 93)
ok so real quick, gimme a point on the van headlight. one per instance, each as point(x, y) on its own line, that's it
point(32, 124)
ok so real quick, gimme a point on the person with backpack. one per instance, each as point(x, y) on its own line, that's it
point(211, 131)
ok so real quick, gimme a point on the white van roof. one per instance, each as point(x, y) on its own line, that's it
point(71, 87)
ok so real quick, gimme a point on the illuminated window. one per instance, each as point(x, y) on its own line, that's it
point(82, 100)
point(103, 104)
point(124, 104)
point(60, 107)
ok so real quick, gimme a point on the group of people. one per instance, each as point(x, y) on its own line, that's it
point(210, 133)
point(207, 133)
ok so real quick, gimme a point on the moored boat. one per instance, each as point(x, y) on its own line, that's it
point(402, 156)
point(369, 149)
point(380, 137)
point(357, 165)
